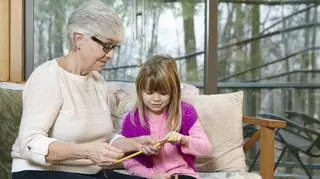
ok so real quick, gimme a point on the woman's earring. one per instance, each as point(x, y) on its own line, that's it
point(78, 48)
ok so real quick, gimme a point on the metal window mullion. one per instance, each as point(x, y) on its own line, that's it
point(29, 38)
point(211, 46)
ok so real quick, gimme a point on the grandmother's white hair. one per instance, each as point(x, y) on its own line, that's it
point(94, 18)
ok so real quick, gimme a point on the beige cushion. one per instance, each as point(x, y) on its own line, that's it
point(221, 117)
point(218, 175)
point(10, 115)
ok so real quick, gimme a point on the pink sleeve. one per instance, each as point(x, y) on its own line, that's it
point(136, 168)
point(198, 142)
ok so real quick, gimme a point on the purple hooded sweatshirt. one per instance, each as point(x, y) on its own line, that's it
point(129, 130)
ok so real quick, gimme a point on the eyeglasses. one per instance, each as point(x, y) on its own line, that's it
point(108, 46)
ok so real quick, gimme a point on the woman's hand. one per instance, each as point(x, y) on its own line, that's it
point(148, 144)
point(136, 144)
point(149, 149)
point(161, 176)
point(146, 139)
point(103, 154)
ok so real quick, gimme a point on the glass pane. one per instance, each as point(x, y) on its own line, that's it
point(270, 50)
point(269, 43)
point(152, 27)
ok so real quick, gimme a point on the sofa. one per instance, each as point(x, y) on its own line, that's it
point(220, 114)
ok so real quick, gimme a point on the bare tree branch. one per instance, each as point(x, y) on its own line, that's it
point(285, 74)
point(259, 2)
point(271, 3)
point(136, 66)
point(274, 24)
point(269, 63)
point(269, 34)
point(287, 17)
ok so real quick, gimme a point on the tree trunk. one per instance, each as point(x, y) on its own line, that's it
point(41, 45)
point(313, 63)
point(288, 96)
point(226, 36)
point(188, 10)
point(59, 21)
point(239, 61)
point(50, 41)
point(255, 56)
point(311, 92)
point(154, 29)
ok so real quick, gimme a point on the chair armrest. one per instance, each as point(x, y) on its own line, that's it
point(266, 134)
point(271, 123)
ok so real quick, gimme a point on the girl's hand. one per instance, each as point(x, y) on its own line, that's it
point(103, 154)
point(176, 138)
point(161, 176)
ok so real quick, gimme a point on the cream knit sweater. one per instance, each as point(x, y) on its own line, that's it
point(61, 106)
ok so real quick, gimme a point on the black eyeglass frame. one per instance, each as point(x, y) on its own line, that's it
point(107, 46)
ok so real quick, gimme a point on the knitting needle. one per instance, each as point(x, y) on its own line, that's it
point(129, 156)
point(135, 154)
point(171, 138)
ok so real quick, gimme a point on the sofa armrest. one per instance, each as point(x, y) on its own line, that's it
point(266, 134)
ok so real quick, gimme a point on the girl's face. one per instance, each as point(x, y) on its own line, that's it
point(155, 102)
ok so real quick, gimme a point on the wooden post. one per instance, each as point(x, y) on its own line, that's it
point(267, 153)
point(4, 40)
point(16, 40)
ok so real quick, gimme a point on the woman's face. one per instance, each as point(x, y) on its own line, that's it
point(96, 52)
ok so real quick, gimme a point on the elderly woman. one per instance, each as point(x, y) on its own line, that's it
point(66, 129)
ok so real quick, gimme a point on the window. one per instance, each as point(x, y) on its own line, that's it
point(176, 28)
point(272, 46)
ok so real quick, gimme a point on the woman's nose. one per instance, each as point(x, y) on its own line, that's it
point(111, 53)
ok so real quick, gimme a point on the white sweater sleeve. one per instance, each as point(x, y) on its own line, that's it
point(41, 104)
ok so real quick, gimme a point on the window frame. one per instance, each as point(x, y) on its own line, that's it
point(211, 28)
point(29, 38)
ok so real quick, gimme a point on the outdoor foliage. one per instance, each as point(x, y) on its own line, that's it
point(263, 46)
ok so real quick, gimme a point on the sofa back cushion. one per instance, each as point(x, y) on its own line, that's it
point(221, 117)
point(10, 115)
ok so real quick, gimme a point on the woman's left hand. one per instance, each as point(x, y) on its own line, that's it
point(146, 140)
point(148, 144)
point(132, 145)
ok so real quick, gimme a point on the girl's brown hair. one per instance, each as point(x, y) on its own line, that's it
point(159, 74)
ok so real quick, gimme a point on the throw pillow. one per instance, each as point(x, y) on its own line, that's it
point(221, 117)
point(10, 115)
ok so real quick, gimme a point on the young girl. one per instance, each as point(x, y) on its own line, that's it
point(159, 114)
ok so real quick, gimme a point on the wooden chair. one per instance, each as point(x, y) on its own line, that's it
point(266, 134)
point(297, 138)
